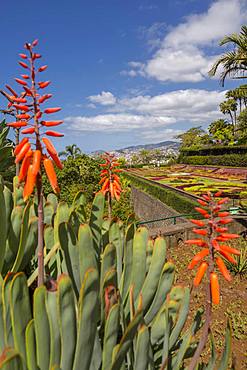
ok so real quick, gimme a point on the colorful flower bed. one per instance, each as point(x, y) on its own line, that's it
point(198, 180)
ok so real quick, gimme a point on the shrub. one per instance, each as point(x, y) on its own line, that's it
point(80, 173)
point(215, 150)
point(234, 160)
point(178, 202)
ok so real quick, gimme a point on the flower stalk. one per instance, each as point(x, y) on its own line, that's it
point(110, 181)
point(34, 162)
point(209, 258)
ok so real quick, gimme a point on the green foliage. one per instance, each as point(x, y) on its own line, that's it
point(18, 229)
point(221, 131)
point(216, 150)
point(240, 268)
point(118, 307)
point(233, 62)
point(71, 151)
point(123, 208)
point(80, 173)
point(128, 318)
point(242, 127)
point(195, 137)
point(167, 196)
point(7, 167)
point(234, 160)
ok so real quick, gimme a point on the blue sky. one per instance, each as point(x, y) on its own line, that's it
point(124, 72)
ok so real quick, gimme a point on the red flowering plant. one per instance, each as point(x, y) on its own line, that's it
point(213, 232)
point(35, 151)
point(110, 181)
point(14, 112)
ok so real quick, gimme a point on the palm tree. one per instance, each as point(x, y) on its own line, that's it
point(71, 151)
point(230, 107)
point(234, 62)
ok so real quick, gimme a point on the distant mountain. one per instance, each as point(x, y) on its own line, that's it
point(162, 144)
point(135, 148)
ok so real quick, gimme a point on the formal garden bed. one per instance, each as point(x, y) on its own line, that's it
point(197, 180)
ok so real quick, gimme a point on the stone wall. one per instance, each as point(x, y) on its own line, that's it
point(147, 208)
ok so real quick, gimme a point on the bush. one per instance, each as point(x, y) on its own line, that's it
point(178, 202)
point(80, 173)
point(124, 207)
point(214, 150)
point(234, 160)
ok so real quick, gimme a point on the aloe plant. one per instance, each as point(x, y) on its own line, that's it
point(114, 304)
point(56, 331)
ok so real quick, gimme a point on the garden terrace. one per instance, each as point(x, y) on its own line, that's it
point(192, 181)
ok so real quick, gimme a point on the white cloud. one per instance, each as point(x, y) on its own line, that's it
point(223, 17)
point(190, 104)
point(105, 98)
point(153, 35)
point(147, 114)
point(182, 55)
point(161, 135)
point(188, 64)
point(117, 122)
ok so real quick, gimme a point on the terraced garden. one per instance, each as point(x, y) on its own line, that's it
point(199, 179)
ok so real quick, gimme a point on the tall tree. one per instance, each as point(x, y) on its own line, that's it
point(221, 131)
point(242, 127)
point(71, 151)
point(194, 137)
point(234, 62)
point(230, 107)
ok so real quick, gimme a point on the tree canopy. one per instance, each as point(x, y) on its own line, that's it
point(234, 62)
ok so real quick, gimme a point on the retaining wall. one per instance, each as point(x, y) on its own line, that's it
point(148, 208)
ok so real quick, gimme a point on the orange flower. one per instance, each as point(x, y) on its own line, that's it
point(200, 273)
point(24, 65)
point(223, 269)
point(21, 82)
point(215, 289)
point(49, 145)
point(51, 123)
point(25, 165)
point(198, 257)
point(198, 222)
point(42, 69)
point(22, 152)
point(54, 133)
point(36, 162)
point(51, 174)
point(21, 107)
point(44, 84)
point(29, 130)
point(20, 145)
point(30, 183)
point(52, 110)
point(17, 124)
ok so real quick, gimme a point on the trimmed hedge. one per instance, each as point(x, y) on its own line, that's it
point(234, 160)
point(171, 198)
point(214, 150)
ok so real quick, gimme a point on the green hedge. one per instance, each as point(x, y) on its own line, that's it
point(234, 160)
point(171, 198)
point(214, 150)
